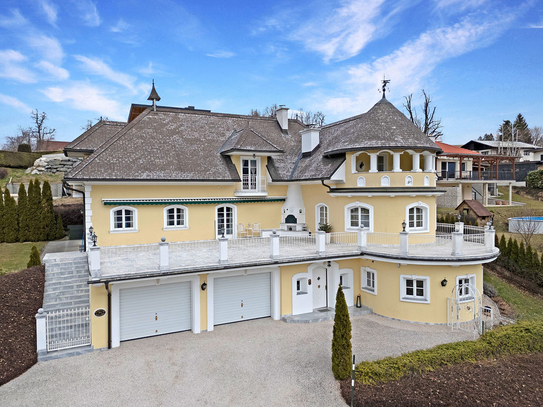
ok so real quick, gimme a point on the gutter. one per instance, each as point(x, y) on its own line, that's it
point(108, 315)
point(65, 185)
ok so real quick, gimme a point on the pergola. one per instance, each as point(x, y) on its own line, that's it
point(479, 159)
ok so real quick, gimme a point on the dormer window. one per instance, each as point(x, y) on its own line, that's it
point(249, 173)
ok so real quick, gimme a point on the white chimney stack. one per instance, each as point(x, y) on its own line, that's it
point(310, 139)
point(282, 118)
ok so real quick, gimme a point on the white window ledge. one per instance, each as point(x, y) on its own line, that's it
point(369, 290)
point(176, 228)
point(124, 231)
point(417, 230)
point(418, 301)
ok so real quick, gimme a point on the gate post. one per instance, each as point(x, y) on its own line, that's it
point(274, 245)
point(490, 235)
point(321, 242)
point(362, 238)
point(163, 254)
point(223, 250)
point(41, 331)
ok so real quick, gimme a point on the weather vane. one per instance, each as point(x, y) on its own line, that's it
point(384, 86)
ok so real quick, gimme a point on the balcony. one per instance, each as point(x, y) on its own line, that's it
point(125, 262)
point(251, 185)
point(505, 175)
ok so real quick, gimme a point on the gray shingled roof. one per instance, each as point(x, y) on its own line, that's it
point(248, 140)
point(383, 126)
point(97, 135)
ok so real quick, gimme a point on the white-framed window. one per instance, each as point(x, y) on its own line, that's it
point(321, 215)
point(409, 181)
point(368, 278)
point(414, 289)
point(301, 286)
point(417, 217)
point(176, 217)
point(464, 291)
point(250, 173)
point(382, 163)
point(358, 214)
point(361, 182)
point(385, 181)
point(123, 219)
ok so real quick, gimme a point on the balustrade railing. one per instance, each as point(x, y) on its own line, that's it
point(383, 239)
point(342, 238)
point(252, 184)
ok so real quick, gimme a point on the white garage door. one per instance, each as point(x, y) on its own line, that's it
point(241, 297)
point(154, 310)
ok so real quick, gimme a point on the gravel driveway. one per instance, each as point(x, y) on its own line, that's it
point(253, 363)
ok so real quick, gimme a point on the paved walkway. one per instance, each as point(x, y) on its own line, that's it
point(252, 363)
point(61, 246)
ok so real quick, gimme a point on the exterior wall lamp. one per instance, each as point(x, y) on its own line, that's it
point(204, 286)
point(93, 236)
point(444, 282)
point(403, 226)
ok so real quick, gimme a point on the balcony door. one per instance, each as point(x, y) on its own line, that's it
point(225, 221)
point(448, 169)
point(249, 174)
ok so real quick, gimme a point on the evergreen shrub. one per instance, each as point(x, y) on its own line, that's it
point(34, 257)
point(342, 353)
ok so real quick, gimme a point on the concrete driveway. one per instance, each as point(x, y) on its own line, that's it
point(253, 363)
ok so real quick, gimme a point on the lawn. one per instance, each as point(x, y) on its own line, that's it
point(526, 306)
point(14, 256)
point(18, 175)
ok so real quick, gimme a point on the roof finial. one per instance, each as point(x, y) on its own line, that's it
point(385, 83)
point(154, 96)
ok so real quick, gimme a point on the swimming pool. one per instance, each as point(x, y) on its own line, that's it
point(526, 224)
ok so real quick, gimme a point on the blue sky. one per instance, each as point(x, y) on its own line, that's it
point(480, 60)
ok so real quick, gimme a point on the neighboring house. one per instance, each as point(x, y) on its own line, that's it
point(472, 209)
point(471, 175)
point(524, 151)
point(53, 145)
point(209, 218)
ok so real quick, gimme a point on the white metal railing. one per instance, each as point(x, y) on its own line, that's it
point(342, 238)
point(193, 245)
point(68, 328)
point(251, 184)
point(451, 227)
point(243, 243)
point(297, 241)
point(474, 238)
point(437, 240)
point(384, 239)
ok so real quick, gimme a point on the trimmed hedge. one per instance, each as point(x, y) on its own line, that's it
point(522, 338)
point(15, 159)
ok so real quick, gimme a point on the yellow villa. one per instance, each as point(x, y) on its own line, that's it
point(196, 219)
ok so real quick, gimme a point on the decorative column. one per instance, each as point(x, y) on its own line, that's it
point(321, 242)
point(416, 162)
point(458, 239)
point(396, 162)
point(373, 162)
point(94, 262)
point(490, 235)
point(223, 250)
point(274, 245)
point(41, 331)
point(404, 240)
point(428, 158)
point(510, 194)
point(163, 254)
point(362, 238)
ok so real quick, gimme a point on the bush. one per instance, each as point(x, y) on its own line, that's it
point(34, 258)
point(534, 179)
point(3, 173)
point(14, 159)
point(522, 338)
point(342, 352)
point(325, 227)
point(70, 214)
point(24, 148)
point(489, 290)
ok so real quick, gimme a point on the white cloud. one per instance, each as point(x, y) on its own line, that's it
point(10, 67)
point(310, 84)
point(49, 47)
point(50, 10)
point(82, 96)
point(55, 71)
point(16, 20)
point(459, 5)
point(221, 54)
point(89, 13)
point(97, 66)
point(148, 69)
point(14, 102)
point(120, 26)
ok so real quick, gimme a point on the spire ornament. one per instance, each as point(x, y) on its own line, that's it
point(384, 85)
point(154, 96)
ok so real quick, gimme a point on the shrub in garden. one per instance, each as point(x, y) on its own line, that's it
point(24, 148)
point(22, 210)
point(10, 223)
point(1, 216)
point(3, 173)
point(34, 257)
point(503, 246)
point(534, 179)
point(59, 233)
point(342, 353)
point(50, 224)
point(35, 211)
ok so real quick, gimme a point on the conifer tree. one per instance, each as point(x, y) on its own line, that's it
point(11, 226)
point(514, 252)
point(60, 228)
point(510, 247)
point(34, 211)
point(22, 211)
point(342, 353)
point(521, 259)
point(503, 246)
point(49, 221)
point(34, 258)
point(1, 216)
point(529, 260)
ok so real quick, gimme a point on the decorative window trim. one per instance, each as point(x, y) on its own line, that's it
point(409, 181)
point(165, 215)
point(472, 280)
point(385, 181)
point(317, 214)
point(425, 217)
point(133, 229)
point(414, 298)
point(354, 164)
point(348, 208)
point(363, 280)
point(234, 219)
point(361, 182)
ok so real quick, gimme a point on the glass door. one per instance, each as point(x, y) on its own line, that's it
point(249, 175)
point(225, 221)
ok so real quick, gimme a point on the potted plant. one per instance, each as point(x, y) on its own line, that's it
point(326, 228)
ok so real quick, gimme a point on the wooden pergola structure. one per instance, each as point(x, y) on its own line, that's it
point(479, 159)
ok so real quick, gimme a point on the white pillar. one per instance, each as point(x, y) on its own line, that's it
point(94, 262)
point(490, 236)
point(459, 227)
point(510, 194)
point(41, 332)
point(274, 245)
point(396, 162)
point(485, 194)
point(428, 158)
point(457, 241)
point(433, 156)
point(276, 294)
point(404, 243)
point(321, 242)
point(373, 162)
point(416, 162)
point(163, 254)
point(362, 238)
point(223, 250)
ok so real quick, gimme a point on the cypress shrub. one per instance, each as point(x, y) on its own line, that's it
point(50, 224)
point(342, 353)
point(1, 216)
point(34, 211)
point(514, 252)
point(59, 233)
point(529, 260)
point(509, 247)
point(503, 246)
point(3, 173)
point(22, 211)
point(11, 226)
point(34, 258)
point(521, 257)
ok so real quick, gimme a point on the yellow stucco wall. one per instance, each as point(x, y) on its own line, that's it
point(98, 299)
point(286, 285)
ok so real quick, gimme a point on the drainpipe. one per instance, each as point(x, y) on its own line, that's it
point(327, 186)
point(65, 185)
point(108, 315)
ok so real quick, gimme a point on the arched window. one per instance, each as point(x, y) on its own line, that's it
point(225, 219)
point(361, 182)
point(417, 217)
point(409, 181)
point(321, 215)
point(123, 219)
point(385, 181)
point(176, 217)
point(358, 215)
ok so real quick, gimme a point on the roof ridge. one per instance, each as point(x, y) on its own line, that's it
point(265, 140)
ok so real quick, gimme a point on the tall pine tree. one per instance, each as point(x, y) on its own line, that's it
point(342, 353)
point(34, 211)
point(11, 226)
point(522, 130)
point(50, 224)
point(22, 210)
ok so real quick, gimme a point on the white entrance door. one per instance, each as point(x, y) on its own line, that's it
point(239, 298)
point(225, 221)
point(319, 287)
point(154, 310)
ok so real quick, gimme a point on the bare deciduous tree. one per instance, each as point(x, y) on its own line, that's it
point(537, 135)
point(528, 225)
point(428, 123)
point(91, 123)
point(39, 131)
point(12, 142)
point(307, 118)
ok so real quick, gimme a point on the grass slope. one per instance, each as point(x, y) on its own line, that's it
point(14, 256)
point(18, 175)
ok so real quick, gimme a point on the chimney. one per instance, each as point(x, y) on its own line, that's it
point(310, 139)
point(282, 118)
